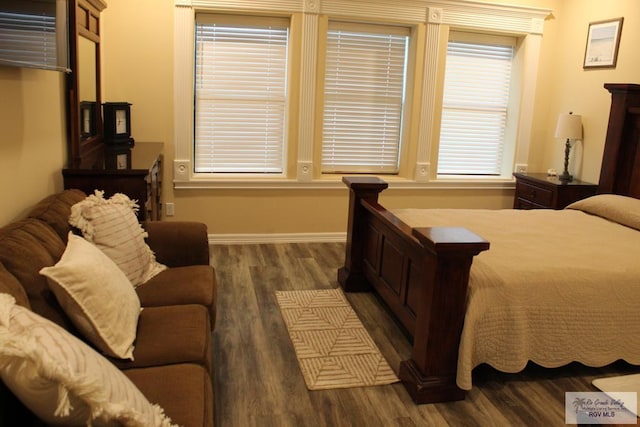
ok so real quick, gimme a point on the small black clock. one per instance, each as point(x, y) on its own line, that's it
point(117, 122)
point(117, 156)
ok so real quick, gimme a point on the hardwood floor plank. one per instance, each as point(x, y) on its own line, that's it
point(257, 380)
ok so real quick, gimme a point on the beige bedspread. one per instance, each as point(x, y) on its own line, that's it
point(554, 287)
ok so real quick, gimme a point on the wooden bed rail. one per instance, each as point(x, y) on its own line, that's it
point(422, 275)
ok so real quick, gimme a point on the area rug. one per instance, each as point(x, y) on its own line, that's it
point(332, 346)
point(623, 383)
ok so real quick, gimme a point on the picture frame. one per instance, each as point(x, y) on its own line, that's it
point(603, 42)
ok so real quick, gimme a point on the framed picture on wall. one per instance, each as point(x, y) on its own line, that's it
point(603, 40)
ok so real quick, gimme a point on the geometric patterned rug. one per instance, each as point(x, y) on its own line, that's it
point(333, 348)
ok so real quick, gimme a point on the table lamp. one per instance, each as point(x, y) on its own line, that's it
point(569, 127)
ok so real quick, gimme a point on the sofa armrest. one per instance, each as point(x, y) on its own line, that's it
point(178, 243)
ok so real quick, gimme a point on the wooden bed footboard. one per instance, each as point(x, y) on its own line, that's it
point(422, 275)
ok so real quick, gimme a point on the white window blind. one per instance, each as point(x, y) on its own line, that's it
point(240, 95)
point(474, 111)
point(33, 34)
point(363, 98)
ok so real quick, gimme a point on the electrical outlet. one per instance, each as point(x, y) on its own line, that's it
point(521, 168)
point(169, 209)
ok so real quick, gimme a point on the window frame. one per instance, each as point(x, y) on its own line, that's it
point(252, 22)
point(359, 27)
point(430, 26)
point(512, 104)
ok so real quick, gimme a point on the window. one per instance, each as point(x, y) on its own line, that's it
point(34, 34)
point(475, 108)
point(355, 90)
point(240, 94)
point(363, 98)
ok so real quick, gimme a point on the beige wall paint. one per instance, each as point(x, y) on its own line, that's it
point(574, 89)
point(141, 72)
point(33, 141)
point(138, 67)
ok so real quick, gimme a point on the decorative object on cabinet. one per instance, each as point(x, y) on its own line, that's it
point(117, 156)
point(83, 83)
point(569, 127)
point(117, 123)
point(603, 41)
point(87, 119)
point(540, 191)
point(141, 179)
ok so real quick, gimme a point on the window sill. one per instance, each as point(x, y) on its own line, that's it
point(334, 183)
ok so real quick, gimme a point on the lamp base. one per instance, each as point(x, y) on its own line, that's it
point(566, 177)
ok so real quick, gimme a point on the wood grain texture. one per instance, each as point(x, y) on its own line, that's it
point(257, 381)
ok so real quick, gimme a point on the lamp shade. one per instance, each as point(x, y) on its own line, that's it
point(569, 126)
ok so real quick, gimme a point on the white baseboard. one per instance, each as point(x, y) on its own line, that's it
point(248, 239)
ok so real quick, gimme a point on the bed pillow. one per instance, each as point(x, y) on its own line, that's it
point(112, 225)
point(61, 379)
point(620, 209)
point(97, 297)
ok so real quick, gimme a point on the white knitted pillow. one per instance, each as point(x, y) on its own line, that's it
point(64, 381)
point(97, 297)
point(111, 224)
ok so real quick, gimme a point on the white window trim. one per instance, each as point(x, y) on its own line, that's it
point(526, 22)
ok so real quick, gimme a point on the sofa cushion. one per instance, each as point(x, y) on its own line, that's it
point(178, 243)
point(111, 224)
point(27, 246)
point(184, 391)
point(171, 334)
point(54, 210)
point(97, 297)
point(10, 285)
point(194, 284)
point(63, 380)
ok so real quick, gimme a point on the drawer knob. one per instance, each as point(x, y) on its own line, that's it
point(533, 194)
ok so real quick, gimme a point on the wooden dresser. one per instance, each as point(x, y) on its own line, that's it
point(539, 191)
point(141, 179)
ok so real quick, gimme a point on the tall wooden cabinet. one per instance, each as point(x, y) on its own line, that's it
point(139, 177)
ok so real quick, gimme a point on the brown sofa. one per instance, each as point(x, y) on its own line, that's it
point(172, 356)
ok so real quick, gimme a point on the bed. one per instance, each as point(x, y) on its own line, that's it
point(506, 287)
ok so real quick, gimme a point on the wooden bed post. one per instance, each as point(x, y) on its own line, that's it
point(620, 170)
point(422, 274)
point(350, 276)
point(430, 375)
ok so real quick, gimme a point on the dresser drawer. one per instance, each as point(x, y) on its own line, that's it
point(540, 191)
point(534, 194)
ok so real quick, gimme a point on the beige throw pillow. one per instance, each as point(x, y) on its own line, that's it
point(97, 297)
point(111, 224)
point(62, 380)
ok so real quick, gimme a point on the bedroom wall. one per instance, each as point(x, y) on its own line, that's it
point(574, 89)
point(137, 67)
point(33, 141)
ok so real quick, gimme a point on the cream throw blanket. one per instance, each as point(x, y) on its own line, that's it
point(554, 287)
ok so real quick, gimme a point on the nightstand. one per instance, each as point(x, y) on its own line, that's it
point(539, 191)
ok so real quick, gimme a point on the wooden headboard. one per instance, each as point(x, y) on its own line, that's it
point(620, 172)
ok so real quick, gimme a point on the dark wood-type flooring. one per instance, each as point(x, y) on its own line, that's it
point(257, 381)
